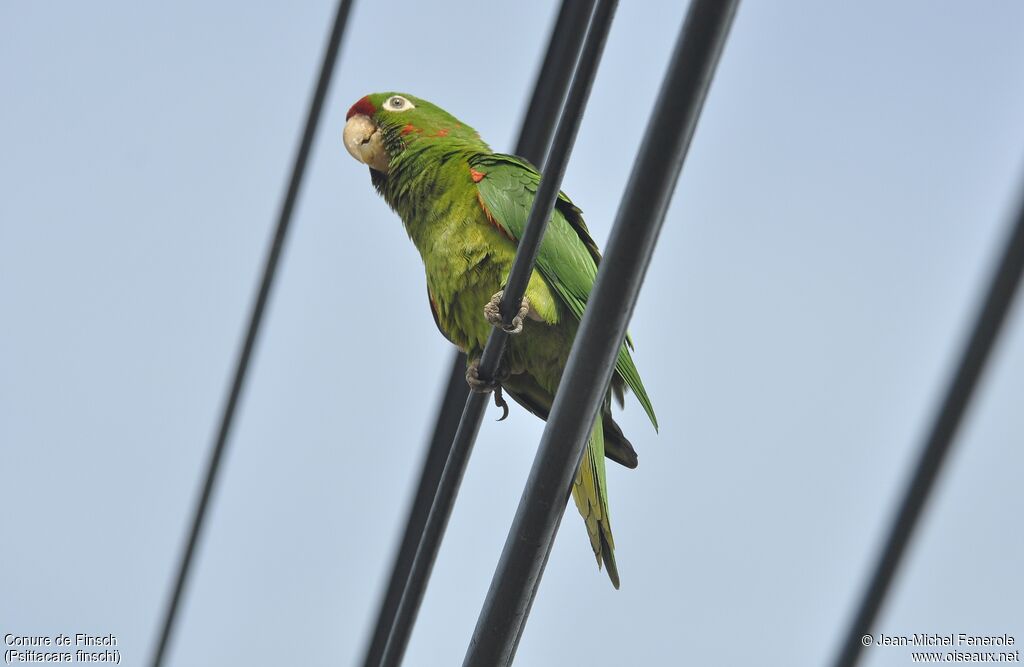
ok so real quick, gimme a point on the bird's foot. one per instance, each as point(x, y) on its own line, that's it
point(482, 386)
point(492, 312)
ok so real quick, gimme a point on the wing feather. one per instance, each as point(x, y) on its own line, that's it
point(568, 256)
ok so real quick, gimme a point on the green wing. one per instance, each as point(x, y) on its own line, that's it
point(568, 256)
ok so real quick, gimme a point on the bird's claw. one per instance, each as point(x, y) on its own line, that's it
point(499, 401)
point(478, 384)
point(492, 312)
point(482, 386)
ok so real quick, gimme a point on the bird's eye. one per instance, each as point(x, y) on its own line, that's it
point(398, 103)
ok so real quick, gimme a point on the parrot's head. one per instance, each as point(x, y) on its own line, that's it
point(379, 127)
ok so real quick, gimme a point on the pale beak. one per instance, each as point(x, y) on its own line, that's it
point(363, 142)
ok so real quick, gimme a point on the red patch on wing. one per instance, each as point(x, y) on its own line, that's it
point(363, 106)
point(442, 133)
point(490, 218)
point(477, 176)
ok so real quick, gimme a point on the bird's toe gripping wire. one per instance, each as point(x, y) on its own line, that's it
point(492, 311)
point(482, 386)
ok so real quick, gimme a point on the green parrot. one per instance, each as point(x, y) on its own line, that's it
point(464, 207)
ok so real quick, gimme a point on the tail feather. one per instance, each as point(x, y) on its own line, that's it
point(524, 390)
point(616, 446)
point(590, 493)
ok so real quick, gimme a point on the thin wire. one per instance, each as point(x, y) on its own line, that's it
point(584, 383)
point(469, 426)
point(538, 125)
point(433, 465)
point(255, 320)
point(551, 181)
point(998, 301)
point(553, 80)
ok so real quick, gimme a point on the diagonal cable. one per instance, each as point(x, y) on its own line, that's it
point(535, 136)
point(255, 320)
point(584, 383)
point(522, 266)
point(983, 338)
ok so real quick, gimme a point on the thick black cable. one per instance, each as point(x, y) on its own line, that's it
point(998, 301)
point(522, 266)
point(433, 465)
point(551, 181)
point(534, 137)
point(584, 383)
point(256, 317)
point(553, 80)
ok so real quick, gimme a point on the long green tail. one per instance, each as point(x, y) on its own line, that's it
point(590, 491)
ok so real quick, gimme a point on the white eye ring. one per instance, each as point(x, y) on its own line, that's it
point(398, 103)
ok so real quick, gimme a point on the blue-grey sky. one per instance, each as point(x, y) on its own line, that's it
point(848, 187)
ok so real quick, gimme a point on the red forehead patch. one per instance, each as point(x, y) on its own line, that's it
point(363, 106)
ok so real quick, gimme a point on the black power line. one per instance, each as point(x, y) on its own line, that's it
point(433, 465)
point(990, 319)
point(255, 320)
point(553, 80)
point(588, 372)
point(522, 266)
point(538, 125)
point(554, 172)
